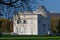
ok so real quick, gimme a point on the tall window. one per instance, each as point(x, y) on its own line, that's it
point(31, 21)
point(44, 28)
point(32, 29)
point(24, 21)
point(24, 29)
point(17, 21)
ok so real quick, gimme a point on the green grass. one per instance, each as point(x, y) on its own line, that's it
point(28, 37)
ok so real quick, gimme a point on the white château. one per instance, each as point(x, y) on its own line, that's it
point(32, 23)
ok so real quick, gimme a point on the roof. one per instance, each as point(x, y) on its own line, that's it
point(39, 10)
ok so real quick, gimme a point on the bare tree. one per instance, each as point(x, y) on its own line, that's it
point(12, 6)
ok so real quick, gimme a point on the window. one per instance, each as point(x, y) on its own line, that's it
point(31, 21)
point(44, 25)
point(18, 21)
point(24, 21)
point(24, 29)
point(44, 28)
point(39, 21)
point(32, 29)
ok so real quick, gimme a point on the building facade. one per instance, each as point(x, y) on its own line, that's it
point(32, 23)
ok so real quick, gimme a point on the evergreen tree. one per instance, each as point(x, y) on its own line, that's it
point(5, 25)
point(58, 28)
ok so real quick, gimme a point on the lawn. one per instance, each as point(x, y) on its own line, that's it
point(31, 38)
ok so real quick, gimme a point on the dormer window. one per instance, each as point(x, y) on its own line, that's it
point(18, 17)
